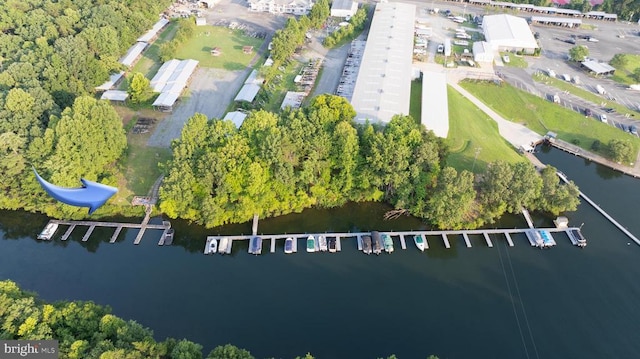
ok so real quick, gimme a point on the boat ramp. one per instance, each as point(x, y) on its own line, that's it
point(537, 237)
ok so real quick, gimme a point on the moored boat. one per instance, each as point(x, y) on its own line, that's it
point(222, 245)
point(376, 242)
point(256, 246)
point(322, 243)
point(332, 245)
point(311, 244)
point(366, 245)
point(48, 231)
point(288, 245)
point(388, 243)
point(211, 246)
point(419, 241)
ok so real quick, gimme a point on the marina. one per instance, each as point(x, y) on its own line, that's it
point(49, 231)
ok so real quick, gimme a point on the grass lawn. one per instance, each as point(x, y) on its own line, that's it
point(149, 63)
point(623, 74)
point(471, 131)
point(415, 106)
point(140, 163)
point(542, 116)
point(515, 60)
point(230, 42)
point(582, 93)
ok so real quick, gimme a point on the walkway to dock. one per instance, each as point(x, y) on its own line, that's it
point(165, 226)
point(599, 209)
point(577, 151)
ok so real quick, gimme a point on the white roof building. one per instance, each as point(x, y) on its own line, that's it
point(383, 86)
point(170, 80)
point(295, 7)
point(508, 33)
point(482, 52)
point(236, 117)
point(133, 53)
point(435, 106)
point(248, 92)
point(343, 8)
point(154, 30)
point(114, 95)
point(113, 80)
point(293, 100)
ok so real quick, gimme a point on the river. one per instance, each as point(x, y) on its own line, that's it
point(500, 302)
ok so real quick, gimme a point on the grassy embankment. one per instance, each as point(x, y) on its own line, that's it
point(471, 131)
point(415, 106)
point(542, 116)
point(624, 74)
point(584, 94)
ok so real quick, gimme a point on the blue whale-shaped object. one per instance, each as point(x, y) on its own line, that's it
point(91, 194)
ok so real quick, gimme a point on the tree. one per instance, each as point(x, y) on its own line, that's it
point(185, 349)
point(578, 53)
point(636, 74)
point(619, 61)
point(139, 87)
point(229, 351)
point(556, 197)
point(319, 13)
point(621, 151)
point(450, 204)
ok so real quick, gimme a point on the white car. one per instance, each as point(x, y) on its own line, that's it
point(592, 39)
point(603, 117)
point(440, 48)
point(506, 59)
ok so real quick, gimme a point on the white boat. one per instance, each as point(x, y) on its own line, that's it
point(211, 246)
point(322, 243)
point(288, 245)
point(222, 245)
point(311, 244)
point(419, 242)
point(48, 231)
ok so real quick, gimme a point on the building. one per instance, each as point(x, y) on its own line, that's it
point(435, 106)
point(598, 68)
point(383, 86)
point(556, 21)
point(114, 80)
point(115, 96)
point(343, 8)
point(508, 33)
point(482, 52)
point(151, 34)
point(236, 117)
point(295, 7)
point(133, 54)
point(172, 77)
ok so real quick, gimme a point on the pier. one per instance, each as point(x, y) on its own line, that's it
point(167, 234)
point(571, 232)
point(599, 209)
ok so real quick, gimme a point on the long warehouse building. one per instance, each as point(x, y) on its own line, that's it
point(383, 86)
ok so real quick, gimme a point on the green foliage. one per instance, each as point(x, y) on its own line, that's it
point(619, 60)
point(621, 151)
point(229, 351)
point(319, 13)
point(451, 203)
point(578, 53)
point(169, 49)
point(348, 32)
point(556, 197)
point(139, 88)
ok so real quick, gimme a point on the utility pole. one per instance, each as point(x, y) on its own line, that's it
point(478, 149)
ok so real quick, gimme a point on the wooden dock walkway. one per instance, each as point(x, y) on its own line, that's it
point(66, 234)
point(527, 218)
point(577, 151)
point(165, 226)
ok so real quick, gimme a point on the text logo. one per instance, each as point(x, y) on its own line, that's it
point(32, 349)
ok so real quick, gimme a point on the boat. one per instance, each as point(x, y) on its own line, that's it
point(419, 242)
point(388, 243)
point(366, 244)
point(376, 242)
point(311, 244)
point(288, 245)
point(322, 243)
point(332, 245)
point(576, 237)
point(222, 245)
point(252, 241)
point(256, 246)
point(48, 231)
point(211, 246)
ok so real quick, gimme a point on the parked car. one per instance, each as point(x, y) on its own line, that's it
point(506, 59)
point(588, 112)
point(440, 48)
point(633, 129)
point(603, 117)
point(624, 127)
point(609, 110)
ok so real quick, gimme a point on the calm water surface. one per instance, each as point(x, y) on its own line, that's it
point(501, 302)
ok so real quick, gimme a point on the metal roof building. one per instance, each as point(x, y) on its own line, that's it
point(113, 80)
point(435, 106)
point(508, 33)
point(383, 86)
point(154, 30)
point(236, 117)
point(170, 80)
point(114, 95)
point(133, 53)
point(598, 68)
point(343, 8)
point(558, 21)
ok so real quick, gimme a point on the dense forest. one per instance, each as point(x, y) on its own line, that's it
point(317, 156)
point(85, 330)
point(52, 55)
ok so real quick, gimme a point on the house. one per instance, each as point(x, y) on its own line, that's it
point(295, 7)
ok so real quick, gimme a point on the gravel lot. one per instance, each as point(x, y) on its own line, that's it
point(211, 91)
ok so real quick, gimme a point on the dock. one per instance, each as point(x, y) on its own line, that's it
point(466, 240)
point(527, 217)
point(89, 231)
point(66, 234)
point(403, 245)
point(273, 245)
point(509, 241)
point(338, 244)
point(424, 238)
point(114, 237)
point(486, 238)
point(445, 240)
point(166, 238)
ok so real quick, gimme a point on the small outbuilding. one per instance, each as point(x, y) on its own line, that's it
point(482, 52)
point(114, 96)
point(343, 8)
point(247, 49)
point(598, 68)
point(236, 117)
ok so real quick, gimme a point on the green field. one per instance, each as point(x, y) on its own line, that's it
point(515, 60)
point(582, 93)
point(542, 116)
point(415, 106)
point(623, 74)
point(230, 42)
point(471, 131)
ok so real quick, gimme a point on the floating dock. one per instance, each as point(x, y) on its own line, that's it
point(165, 239)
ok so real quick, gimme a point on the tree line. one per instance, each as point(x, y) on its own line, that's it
point(350, 31)
point(276, 164)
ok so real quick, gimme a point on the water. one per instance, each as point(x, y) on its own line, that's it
point(501, 302)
